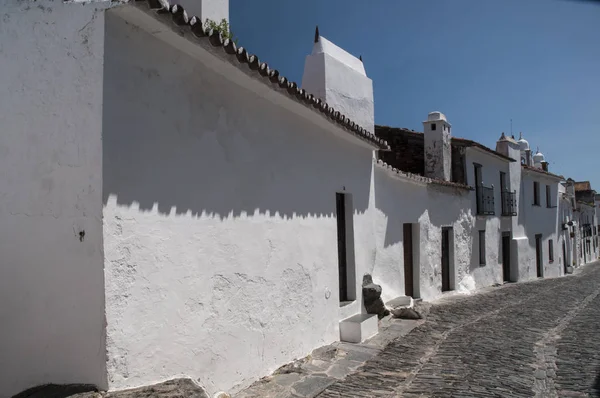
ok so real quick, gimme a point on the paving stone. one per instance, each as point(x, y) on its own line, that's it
point(311, 386)
point(494, 344)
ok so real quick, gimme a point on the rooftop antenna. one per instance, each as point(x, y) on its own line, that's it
point(317, 34)
point(511, 133)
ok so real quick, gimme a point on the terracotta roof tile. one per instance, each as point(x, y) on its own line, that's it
point(422, 179)
point(583, 186)
point(176, 14)
point(466, 142)
point(531, 168)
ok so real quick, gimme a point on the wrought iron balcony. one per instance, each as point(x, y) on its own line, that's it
point(509, 203)
point(485, 200)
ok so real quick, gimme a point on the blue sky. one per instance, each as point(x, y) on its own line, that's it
point(481, 62)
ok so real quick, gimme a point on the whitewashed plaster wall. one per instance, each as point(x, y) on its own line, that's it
point(431, 207)
point(219, 222)
point(540, 220)
point(565, 215)
point(585, 215)
point(51, 279)
point(494, 226)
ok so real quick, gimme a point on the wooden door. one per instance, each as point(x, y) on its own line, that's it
point(506, 258)
point(341, 235)
point(445, 259)
point(538, 255)
point(408, 261)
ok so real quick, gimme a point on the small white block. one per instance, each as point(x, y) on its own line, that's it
point(358, 328)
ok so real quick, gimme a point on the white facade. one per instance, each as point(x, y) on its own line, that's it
point(214, 249)
point(51, 255)
point(167, 213)
point(539, 215)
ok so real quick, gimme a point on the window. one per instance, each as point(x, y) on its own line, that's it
point(536, 193)
point(482, 247)
point(503, 182)
point(433, 126)
point(548, 197)
point(551, 251)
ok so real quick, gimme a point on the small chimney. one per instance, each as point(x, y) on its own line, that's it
point(508, 147)
point(339, 78)
point(438, 150)
point(528, 159)
point(545, 166)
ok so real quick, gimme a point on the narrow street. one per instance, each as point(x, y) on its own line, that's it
point(539, 339)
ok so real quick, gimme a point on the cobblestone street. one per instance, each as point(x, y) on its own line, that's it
point(540, 339)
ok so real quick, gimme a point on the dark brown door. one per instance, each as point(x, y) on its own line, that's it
point(408, 260)
point(445, 259)
point(341, 234)
point(565, 257)
point(506, 258)
point(538, 255)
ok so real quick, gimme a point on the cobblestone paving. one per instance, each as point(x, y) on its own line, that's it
point(536, 339)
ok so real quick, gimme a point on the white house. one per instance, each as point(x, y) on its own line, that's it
point(587, 223)
point(173, 207)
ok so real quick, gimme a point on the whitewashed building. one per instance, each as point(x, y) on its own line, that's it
point(171, 205)
point(587, 223)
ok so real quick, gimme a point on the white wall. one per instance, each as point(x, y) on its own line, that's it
point(219, 222)
point(51, 281)
point(540, 220)
point(494, 226)
point(399, 202)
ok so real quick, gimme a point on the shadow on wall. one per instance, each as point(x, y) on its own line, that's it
point(180, 137)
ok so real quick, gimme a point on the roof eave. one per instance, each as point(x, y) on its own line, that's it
point(161, 24)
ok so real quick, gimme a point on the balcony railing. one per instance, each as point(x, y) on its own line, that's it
point(485, 200)
point(509, 203)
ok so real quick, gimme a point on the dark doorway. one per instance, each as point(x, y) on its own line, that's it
point(506, 257)
point(565, 265)
point(408, 261)
point(446, 259)
point(538, 255)
point(340, 207)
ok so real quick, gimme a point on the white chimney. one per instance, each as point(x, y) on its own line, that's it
point(215, 10)
point(438, 150)
point(339, 78)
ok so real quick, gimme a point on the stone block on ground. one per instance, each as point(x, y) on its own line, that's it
point(60, 391)
point(312, 386)
point(406, 313)
point(372, 297)
point(177, 388)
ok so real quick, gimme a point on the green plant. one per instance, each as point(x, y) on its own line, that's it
point(222, 27)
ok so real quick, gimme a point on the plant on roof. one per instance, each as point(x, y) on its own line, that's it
point(223, 27)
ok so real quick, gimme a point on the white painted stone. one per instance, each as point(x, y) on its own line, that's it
point(402, 301)
point(51, 280)
point(338, 78)
point(358, 328)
